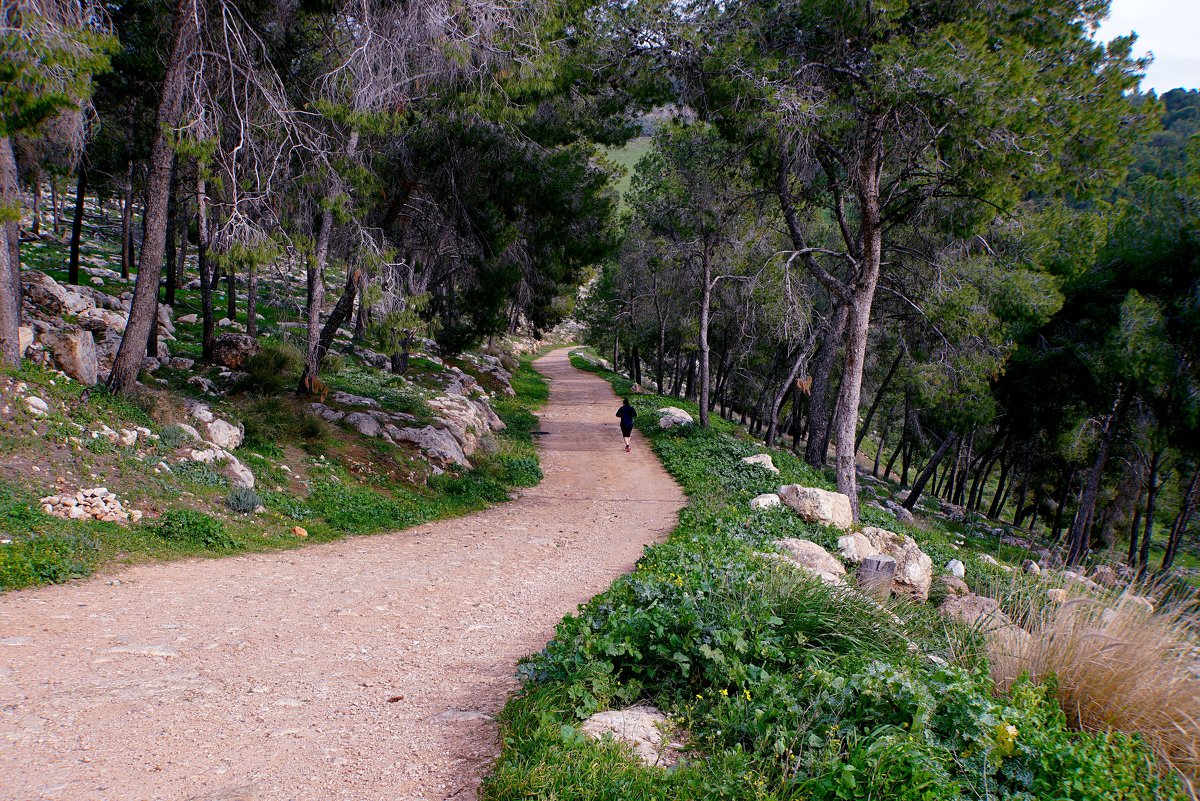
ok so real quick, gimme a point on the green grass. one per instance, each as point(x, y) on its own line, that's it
point(628, 157)
point(784, 688)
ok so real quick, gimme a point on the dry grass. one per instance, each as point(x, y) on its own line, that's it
point(1120, 665)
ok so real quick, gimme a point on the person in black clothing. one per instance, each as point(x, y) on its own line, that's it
point(627, 413)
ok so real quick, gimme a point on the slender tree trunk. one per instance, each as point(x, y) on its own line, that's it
point(1152, 487)
point(340, 314)
point(127, 220)
point(36, 216)
point(1001, 487)
point(900, 445)
point(1081, 527)
point(144, 309)
point(205, 267)
point(661, 376)
point(705, 302)
point(1059, 513)
point(1182, 520)
point(820, 397)
point(689, 391)
point(169, 248)
point(883, 435)
point(309, 383)
point(77, 224)
point(231, 292)
point(363, 317)
point(10, 261)
point(252, 298)
point(788, 386)
point(677, 381)
point(55, 216)
point(1134, 534)
point(923, 477)
point(883, 387)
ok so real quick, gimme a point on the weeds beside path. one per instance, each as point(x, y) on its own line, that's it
point(367, 668)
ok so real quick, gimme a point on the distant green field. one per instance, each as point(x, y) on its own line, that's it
point(628, 157)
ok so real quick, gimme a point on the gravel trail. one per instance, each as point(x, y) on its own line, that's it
point(364, 669)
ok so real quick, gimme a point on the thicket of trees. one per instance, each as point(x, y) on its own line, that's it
point(951, 232)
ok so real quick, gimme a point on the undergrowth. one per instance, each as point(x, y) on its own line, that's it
point(782, 687)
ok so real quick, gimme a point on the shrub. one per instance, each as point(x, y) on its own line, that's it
point(199, 474)
point(521, 471)
point(269, 423)
point(472, 489)
point(190, 527)
point(172, 437)
point(1117, 665)
point(357, 510)
point(286, 505)
point(45, 559)
point(243, 499)
point(273, 371)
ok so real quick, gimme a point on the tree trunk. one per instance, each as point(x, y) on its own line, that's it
point(205, 267)
point(171, 253)
point(1153, 485)
point(144, 309)
point(866, 424)
point(252, 297)
point(309, 383)
point(705, 302)
point(231, 292)
point(35, 218)
point(1077, 538)
point(340, 314)
point(923, 477)
point(1134, 535)
point(77, 224)
point(1001, 486)
point(10, 264)
point(127, 220)
point(788, 385)
point(363, 318)
point(819, 412)
point(55, 216)
point(1182, 520)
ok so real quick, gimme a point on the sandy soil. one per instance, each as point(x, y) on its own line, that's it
point(364, 669)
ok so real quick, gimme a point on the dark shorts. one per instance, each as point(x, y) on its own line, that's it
point(626, 429)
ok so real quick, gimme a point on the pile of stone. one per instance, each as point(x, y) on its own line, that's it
point(94, 504)
point(219, 437)
point(85, 349)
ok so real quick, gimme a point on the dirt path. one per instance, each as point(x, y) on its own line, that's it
point(270, 676)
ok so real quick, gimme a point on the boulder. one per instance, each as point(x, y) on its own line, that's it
point(44, 292)
point(74, 351)
point(977, 611)
point(763, 460)
point(899, 512)
point(239, 475)
point(36, 405)
point(876, 575)
point(818, 505)
point(234, 350)
point(814, 559)
point(98, 320)
point(325, 413)
point(24, 340)
point(1031, 567)
point(189, 318)
point(224, 434)
point(643, 729)
point(1105, 576)
point(956, 568)
point(1056, 595)
point(189, 430)
point(347, 399)
point(767, 500)
point(954, 585)
point(438, 444)
point(914, 568)
point(1071, 575)
point(671, 416)
point(364, 424)
point(854, 547)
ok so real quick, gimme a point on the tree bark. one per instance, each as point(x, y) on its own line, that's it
point(1077, 538)
point(340, 314)
point(205, 267)
point(169, 248)
point(77, 225)
point(144, 309)
point(10, 261)
point(819, 412)
point(705, 303)
point(231, 292)
point(1153, 485)
point(788, 385)
point(1182, 520)
point(35, 218)
point(883, 387)
point(923, 477)
point(252, 297)
point(309, 383)
point(127, 220)
point(55, 214)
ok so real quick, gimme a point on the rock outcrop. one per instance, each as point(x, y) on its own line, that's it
point(914, 568)
point(644, 729)
point(763, 460)
point(818, 505)
point(814, 559)
point(672, 417)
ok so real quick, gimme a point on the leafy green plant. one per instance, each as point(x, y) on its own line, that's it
point(243, 499)
point(192, 527)
point(199, 474)
point(520, 471)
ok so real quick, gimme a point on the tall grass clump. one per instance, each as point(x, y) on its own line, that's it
point(1118, 666)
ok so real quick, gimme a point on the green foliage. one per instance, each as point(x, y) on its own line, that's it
point(199, 474)
point(393, 392)
point(355, 509)
point(243, 499)
point(269, 423)
point(788, 688)
point(520, 471)
point(287, 505)
point(171, 437)
point(191, 527)
point(272, 371)
point(36, 548)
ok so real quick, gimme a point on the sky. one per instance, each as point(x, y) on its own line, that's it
point(1170, 29)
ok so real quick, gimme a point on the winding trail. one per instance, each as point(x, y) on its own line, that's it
point(364, 669)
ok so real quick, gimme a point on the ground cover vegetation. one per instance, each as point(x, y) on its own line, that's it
point(781, 686)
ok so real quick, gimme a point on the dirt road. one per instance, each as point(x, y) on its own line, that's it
point(363, 669)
